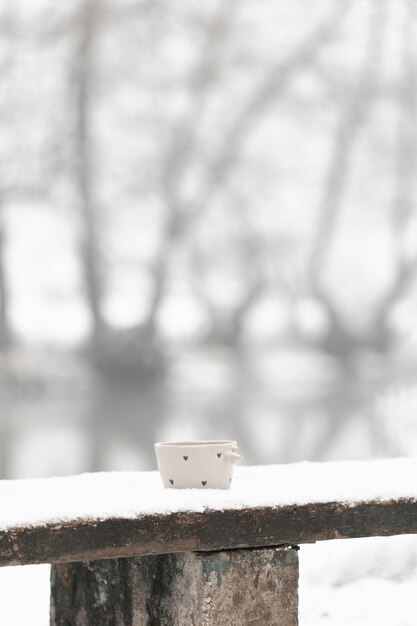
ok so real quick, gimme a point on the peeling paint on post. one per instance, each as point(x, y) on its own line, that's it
point(217, 566)
point(227, 588)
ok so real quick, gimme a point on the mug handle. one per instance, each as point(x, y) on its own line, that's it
point(232, 457)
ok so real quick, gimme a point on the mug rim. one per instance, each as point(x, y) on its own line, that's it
point(196, 443)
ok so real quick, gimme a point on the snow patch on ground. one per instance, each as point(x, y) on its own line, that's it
point(359, 582)
point(24, 595)
point(360, 603)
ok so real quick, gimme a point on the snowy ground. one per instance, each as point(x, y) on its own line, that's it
point(359, 582)
point(24, 595)
point(363, 602)
point(342, 583)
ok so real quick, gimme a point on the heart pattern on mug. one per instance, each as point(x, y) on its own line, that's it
point(219, 454)
point(171, 481)
point(185, 458)
point(204, 483)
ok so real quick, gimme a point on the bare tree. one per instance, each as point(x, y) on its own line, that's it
point(404, 198)
point(266, 93)
point(181, 147)
point(8, 22)
point(85, 167)
point(5, 331)
point(340, 340)
point(181, 214)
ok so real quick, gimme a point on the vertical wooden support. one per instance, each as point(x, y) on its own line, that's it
point(230, 588)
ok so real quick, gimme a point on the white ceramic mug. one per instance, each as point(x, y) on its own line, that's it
point(196, 464)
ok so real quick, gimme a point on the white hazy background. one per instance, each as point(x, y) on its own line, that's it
point(208, 229)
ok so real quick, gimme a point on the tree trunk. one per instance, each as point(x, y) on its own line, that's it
point(5, 335)
point(90, 248)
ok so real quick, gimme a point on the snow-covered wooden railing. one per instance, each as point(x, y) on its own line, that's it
point(125, 550)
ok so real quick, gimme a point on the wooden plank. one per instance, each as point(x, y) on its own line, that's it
point(82, 539)
point(228, 588)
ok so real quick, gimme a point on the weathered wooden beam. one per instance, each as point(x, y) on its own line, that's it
point(84, 539)
point(233, 588)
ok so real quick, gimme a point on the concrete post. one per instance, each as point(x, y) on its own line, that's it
point(248, 587)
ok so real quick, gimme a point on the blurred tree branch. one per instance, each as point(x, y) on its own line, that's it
point(404, 200)
point(84, 167)
point(5, 331)
point(47, 26)
point(181, 214)
point(227, 327)
point(8, 19)
point(182, 144)
point(271, 86)
point(340, 340)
